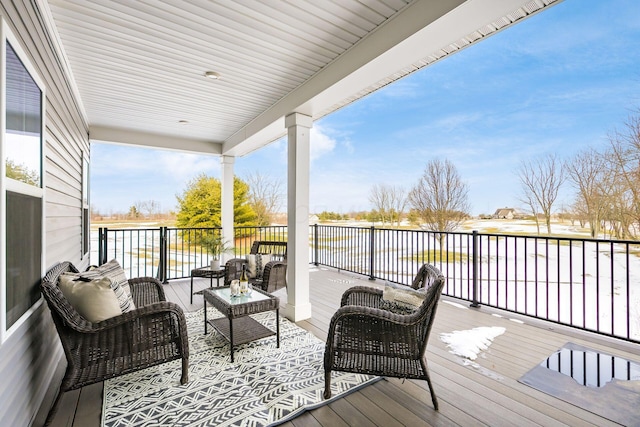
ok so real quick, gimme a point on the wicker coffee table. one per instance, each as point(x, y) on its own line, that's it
point(237, 327)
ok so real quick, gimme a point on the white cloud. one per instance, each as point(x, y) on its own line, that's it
point(112, 160)
point(321, 143)
point(184, 166)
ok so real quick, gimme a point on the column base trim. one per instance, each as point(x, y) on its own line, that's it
point(296, 313)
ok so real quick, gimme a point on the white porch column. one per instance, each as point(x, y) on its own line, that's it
point(226, 213)
point(298, 305)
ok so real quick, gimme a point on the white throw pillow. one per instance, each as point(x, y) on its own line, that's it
point(402, 299)
point(93, 300)
point(255, 265)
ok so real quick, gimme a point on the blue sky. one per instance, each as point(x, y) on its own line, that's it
point(560, 81)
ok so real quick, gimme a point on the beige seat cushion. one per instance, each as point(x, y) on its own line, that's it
point(94, 300)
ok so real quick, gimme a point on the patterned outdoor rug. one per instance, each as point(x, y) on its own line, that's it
point(265, 386)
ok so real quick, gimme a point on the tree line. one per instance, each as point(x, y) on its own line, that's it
point(606, 185)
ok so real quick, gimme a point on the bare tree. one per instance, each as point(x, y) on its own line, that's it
point(389, 201)
point(579, 211)
point(149, 208)
point(541, 180)
point(265, 196)
point(379, 198)
point(530, 201)
point(588, 172)
point(624, 155)
point(398, 203)
point(440, 197)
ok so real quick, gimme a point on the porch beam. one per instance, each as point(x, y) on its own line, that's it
point(298, 305)
point(153, 140)
point(226, 212)
point(371, 59)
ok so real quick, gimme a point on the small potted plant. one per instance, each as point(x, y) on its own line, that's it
point(214, 244)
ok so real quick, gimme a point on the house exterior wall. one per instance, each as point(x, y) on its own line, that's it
point(30, 355)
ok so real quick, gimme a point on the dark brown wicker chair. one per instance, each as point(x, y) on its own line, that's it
point(155, 332)
point(367, 339)
point(274, 276)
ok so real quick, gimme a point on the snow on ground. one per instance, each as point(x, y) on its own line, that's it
point(471, 342)
point(506, 226)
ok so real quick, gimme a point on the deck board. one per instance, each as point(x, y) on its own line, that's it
point(85, 415)
point(486, 392)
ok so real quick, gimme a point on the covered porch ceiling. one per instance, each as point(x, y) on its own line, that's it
point(138, 67)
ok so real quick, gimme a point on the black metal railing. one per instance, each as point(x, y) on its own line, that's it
point(585, 283)
point(171, 253)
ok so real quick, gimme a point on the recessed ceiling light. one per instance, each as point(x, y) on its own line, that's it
point(183, 122)
point(212, 75)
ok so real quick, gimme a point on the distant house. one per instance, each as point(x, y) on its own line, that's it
point(504, 213)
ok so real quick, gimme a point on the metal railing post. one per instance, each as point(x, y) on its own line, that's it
point(372, 244)
point(162, 267)
point(475, 260)
point(165, 265)
point(160, 257)
point(100, 238)
point(102, 258)
point(315, 244)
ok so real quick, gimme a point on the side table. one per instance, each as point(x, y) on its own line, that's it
point(206, 271)
point(237, 326)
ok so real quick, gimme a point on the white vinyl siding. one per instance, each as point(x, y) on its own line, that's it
point(31, 353)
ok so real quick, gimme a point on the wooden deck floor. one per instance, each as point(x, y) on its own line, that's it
point(483, 393)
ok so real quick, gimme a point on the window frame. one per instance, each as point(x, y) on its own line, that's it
point(85, 202)
point(8, 184)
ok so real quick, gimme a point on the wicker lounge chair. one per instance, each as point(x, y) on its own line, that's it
point(274, 276)
point(153, 333)
point(365, 338)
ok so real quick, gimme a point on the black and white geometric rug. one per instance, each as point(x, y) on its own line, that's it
point(265, 386)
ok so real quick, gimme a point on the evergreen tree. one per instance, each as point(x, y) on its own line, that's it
point(200, 204)
point(243, 213)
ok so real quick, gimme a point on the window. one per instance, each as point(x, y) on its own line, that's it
point(23, 137)
point(22, 186)
point(24, 246)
